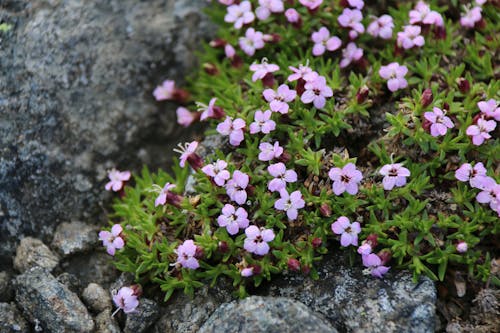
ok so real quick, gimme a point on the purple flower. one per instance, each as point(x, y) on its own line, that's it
point(186, 255)
point(210, 110)
point(439, 122)
point(233, 128)
point(423, 14)
point(112, 240)
point(233, 220)
point(311, 4)
point(282, 176)
point(240, 14)
point(481, 130)
point(471, 17)
point(126, 300)
point(303, 72)
point(351, 18)
point(267, 7)
point(374, 263)
point(268, 152)
point(323, 41)
point(490, 192)
point(257, 239)
point(473, 175)
point(279, 99)
point(317, 92)
point(166, 91)
point(461, 247)
point(410, 37)
point(165, 194)
point(348, 231)
point(253, 40)
point(186, 151)
point(263, 122)
point(261, 70)
point(235, 187)
point(345, 179)
point(358, 4)
point(394, 175)
point(116, 180)
point(381, 27)
point(292, 15)
point(365, 248)
point(490, 109)
point(217, 171)
point(350, 54)
point(395, 74)
point(247, 272)
point(186, 117)
point(290, 203)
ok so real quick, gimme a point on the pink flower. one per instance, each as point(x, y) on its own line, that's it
point(261, 70)
point(267, 7)
point(351, 53)
point(112, 240)
point(394, 175)
point(226, 2)
point(232, 128)
point(473, 175)
point(229, 51)
point(236, 187)
point(410, 37)
point(481, 130)
point(311, 4)
point(348, 231)
point(358, 4)
point(240, 14)
point(381, 27)
point(323, 41)
point(217, 171)
point(268, 151)
point(290, 203)
point(166, 91)
point(439, 122)
point(374, 263)
point(185, 117)
point(257, 239)
point(490, 109)
point(351, 18)
point(263, 122)
point(365, 248)
point(210, 110)
point(345, 179)
point(461, 247)
point(316, 92)
point(395, 74)
point(281, 176)
point(253, 40)
point(471, 17)
point(233, 219)
point(423, 14)
point(116, 180)
point(126, 300)
point(247, 272)
point(490, 192)
point(166, 195)
point(292, 15)
point(303, 72)
point(189, 155)
point(186, 255)
point(279, 100)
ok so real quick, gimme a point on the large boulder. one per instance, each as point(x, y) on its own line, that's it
point(76, 82)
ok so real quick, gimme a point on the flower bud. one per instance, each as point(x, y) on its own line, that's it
point(306, 269)
point(268, 80)
point(293, 265)
point(210, 69)
point(256, 269)
point(199, 253)
point(362, 94)
point(372, 239)
point(463, 85)
point(461, 247)
point(137, 289)
point(223, 247)
point(427, 98)
point(385, 256)
point(218, 43)
point(181, 96)
point(325, 210)
point(316, 242)
point(195, 161)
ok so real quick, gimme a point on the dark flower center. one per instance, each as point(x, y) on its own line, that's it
point(393, 172)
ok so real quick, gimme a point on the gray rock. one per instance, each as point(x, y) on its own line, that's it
point(6, 290)
point(265, 314)
point(94, 267)
point(31, 252)
point(49, 303)
point(11, 320)
point(96, 298)
point(104, 323)
point(143, 317)
point(74, 237)
point(76, 82)
point(354, 302)
point(70, 281)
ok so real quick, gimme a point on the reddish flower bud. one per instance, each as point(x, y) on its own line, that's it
point(137, 289)
point(236, 61)
point(218, 112)
point(272, 38)
point(316, 242)
point(306, 269)
point(210, 69)
point(463, 85)
point(223, 247)
point(440, 32)
point(199, 253)
point(372, 239)
point(385, 256)
point(195, 161)
point(426, 98)
point(446, 106)
point(268, 80)
point(256, 269)
point(362, 94)
point(218, 43)
point(426, 125)
point(174, 199)
point(293, 265)
point(284, 158)
point(325, 210)
point(301, 87)
point(181, 96)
